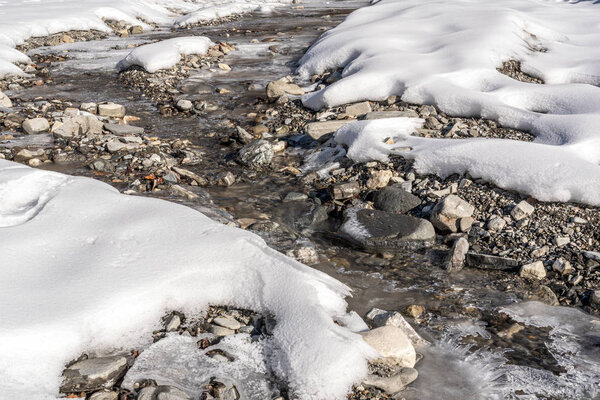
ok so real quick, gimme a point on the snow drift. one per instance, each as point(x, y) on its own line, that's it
point(85, 268)
point(446, 53)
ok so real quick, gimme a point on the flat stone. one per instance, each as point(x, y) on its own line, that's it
point(391, 114)
point(317, 130)
point(294, 196)
point(123, 130)
point(281, 87)
point(33, 126)
point(190, 175)
point(220, 330)
point(111, 110)
point(535, 270)
point(392, 344)
point(486, 261)
point(375, 230)
point(105, 396)
point(228, 323)
point(592, 255)
point(93, 374)
point(394, 199)
point(359, 109)
point(392, 384)
point(115, 146)
point(77, 125)
point(522, 210)
point(5, 101)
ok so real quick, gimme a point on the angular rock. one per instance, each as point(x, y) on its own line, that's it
point(379, 179)
point(522, 210)
point(562, 266)
point(190, 175)
point(458, 254)
point(33, 126)
point(228, 323)
point(592, 255)
point(282, 87)
point(392, 344)
point(448, 213)
point(258, 154)
point(359, 109)
point(111, 110)
point(496, 224)
point(306, 255)
point(92, 108)
point(394, 318)
point(5, 101)
point(115, 146)
point(123, 130)
point(486, 261)
point(376, 231)
point(77, 125)
point(394, 199)
point(93, 374)
point(391, 114)
point(535, 270)
point(318, 130)
point(26, 155)
point(172, 323)
point(392, 384)
point(346, 190)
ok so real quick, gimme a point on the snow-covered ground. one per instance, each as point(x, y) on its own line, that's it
point(22, 19)
point(446, 53)
point(85, 268)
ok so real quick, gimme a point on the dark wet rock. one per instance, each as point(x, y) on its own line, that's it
point(394, 199)
point(345, 190)
point(93, 374)
point(486, 261)
point(258, 154)
point(376, 231)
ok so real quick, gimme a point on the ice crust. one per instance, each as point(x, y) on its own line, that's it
point(166, 53)
point(87, 269)
point(446, 53)
point(22, 19)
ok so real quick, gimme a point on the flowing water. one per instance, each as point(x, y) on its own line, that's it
point(556, 354)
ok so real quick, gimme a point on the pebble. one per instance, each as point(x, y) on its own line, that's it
point(184, 105)
point(379, 179)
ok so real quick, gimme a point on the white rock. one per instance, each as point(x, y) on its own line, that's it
point(393, 344)
point(359, 109)
point(220, 331)
point(522, 210)
point(92, 108)
point(448, 213)
point(228, 323)
point(184, 105)
point(385, 318)
point(111, 110)
point(5, 101)
point(496, 224)
point(317, 130)
point(561, 241)
point(535, 270)
point(105, 396)
point(36, 125)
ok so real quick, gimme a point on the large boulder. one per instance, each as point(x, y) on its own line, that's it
point(452, 214)
point(377, 231)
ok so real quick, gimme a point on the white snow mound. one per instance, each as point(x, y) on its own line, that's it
point(446, 53)
point(165, 54)
point(85, 268)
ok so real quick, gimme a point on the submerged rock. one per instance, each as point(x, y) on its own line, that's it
point(257, 154)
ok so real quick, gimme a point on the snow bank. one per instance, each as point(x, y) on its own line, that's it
point(446, 53)
point(226, 8)
point(22, 19)
point(165, 54)
point(85, 268)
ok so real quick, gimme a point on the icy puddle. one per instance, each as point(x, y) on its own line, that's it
point(485, 345)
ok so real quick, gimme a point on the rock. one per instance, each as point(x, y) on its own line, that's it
point(225, 178)
point(344, 191)
point(136, 30)
point(184, 105)
point(222, 391)
point(458, 254)
point(512, 330)
point(486, 261)
point(33, 126)
point(5, 101)
point(294, 196)
point(379, 179)
point(178, 190)
point(318, 130)
point(447, 214)
point(391, 114)
point(562, 266)
point(415, 310)
point(306, 255)
point(227, 322)
point(377, 231)
point(77, 125)
point(496, 224)
point(394, 318)
point(105, 396)
point(257, 154)
point(162, 392)
point(545, 295)
point(92, 108)
point(592, 255)
point(172, 323)
point(34, 162)
point(26, 155)
point(282, 87)
point(595, 298)
point(392, 384)
point(190, 175)
point(561, 241)
point(102, 165)
point(111, 110)
point(66, 39)
point(522, 210)
point(93, 374)
point(359, 109)
point(115, 146)
point(535, 270)
point(123, 130)
point(392, 344)
point(220, 331)
point(394, 199)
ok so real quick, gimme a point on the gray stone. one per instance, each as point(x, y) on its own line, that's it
point(227, 322)
point(447, 214)
point(26, 155)
point(190, 175)
point(376, 231)
point(220, 331)
point(522, 210)
point(172, 323)
point(77, 125)
point(535, 270)
point(346, 190)
point(93, 374)
point(184, 105)
point(111, 110)
point(318, 130)
point(115, 146)
point(592, 255)
point(496, 224)
point(92, 108)
point(282, 87)
point(123, 130)
point(562, 266)
point(458, 254)
point(102, 165)
point(359, 109)
point(294, 196)
point(394, 199)
point(392, 384)
point(486, 261)
point(392, 114)
point(33, 126)
point(561, 241)
point(225, 178)
point(162, 392)
point(105, 396)
point(5, 101)
point(257, 154)
point(595, 298)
